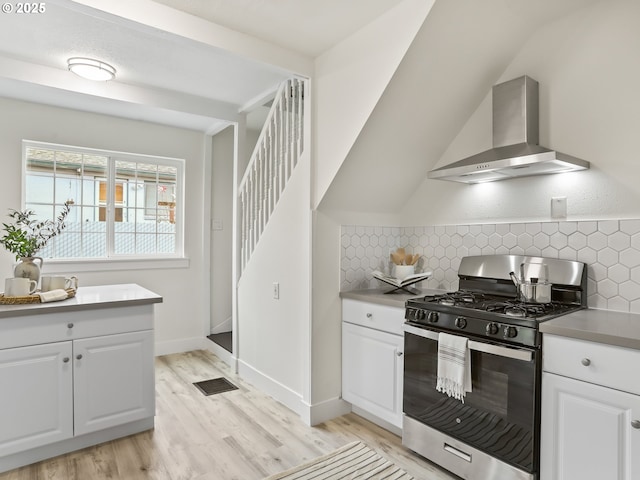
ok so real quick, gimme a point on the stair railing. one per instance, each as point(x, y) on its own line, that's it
point(276, 154)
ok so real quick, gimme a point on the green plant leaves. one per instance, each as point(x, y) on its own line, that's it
point(26, 236)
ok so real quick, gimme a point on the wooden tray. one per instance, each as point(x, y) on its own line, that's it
point(34, 298)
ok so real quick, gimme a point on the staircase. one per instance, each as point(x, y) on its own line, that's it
point(276, 154)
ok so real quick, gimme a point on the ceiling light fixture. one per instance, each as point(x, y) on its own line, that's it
point(91, 69)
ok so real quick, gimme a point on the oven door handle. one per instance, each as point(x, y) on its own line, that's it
point(514, 353)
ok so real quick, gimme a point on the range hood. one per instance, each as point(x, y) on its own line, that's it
point(515, 151)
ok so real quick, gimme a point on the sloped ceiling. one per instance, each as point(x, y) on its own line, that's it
point(457, 56)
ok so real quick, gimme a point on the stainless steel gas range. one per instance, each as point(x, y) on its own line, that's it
point(495, 433)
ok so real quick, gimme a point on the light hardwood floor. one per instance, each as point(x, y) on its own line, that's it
point(239, 435)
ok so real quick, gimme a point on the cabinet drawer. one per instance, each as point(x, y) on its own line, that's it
point(56, 327)
point(606, 365)
point(380, 317)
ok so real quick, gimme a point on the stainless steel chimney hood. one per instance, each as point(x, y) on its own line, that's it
point(515, 151)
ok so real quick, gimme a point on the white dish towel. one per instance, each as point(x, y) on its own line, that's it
point(52, 295)
point(454, 366)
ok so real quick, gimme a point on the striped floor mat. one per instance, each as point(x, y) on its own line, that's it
point(354, 461)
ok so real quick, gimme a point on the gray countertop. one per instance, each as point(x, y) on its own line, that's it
point(621, 329)
point(88, 298)
point(378, 295)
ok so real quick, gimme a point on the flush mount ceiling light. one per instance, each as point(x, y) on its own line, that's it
point(91, 69)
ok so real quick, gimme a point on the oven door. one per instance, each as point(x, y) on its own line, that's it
point(499, 417)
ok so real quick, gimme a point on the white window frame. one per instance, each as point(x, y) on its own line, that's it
point(113, 261)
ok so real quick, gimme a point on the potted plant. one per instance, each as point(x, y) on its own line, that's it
point(26, 236)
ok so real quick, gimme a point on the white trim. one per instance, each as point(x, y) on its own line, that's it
point(226, 326)
point(275, 389)
point(378, 421)
point(114, 156)
point(224, 355)
point(107, 265)
point(178, 346)
point(327, 410)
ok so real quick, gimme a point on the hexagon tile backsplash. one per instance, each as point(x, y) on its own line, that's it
point(610, 248)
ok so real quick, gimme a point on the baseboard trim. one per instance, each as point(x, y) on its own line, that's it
point(327, 410)
point(179, 346)
point(73, 444)
point(222, 353)
point(273, 388)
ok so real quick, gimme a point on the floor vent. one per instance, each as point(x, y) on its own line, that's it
point(215, 385)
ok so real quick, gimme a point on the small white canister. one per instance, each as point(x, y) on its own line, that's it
point(403, 271)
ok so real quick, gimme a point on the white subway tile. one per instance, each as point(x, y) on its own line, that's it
point(629, 290)
point(630, 257)
point(618, 273)
point(588, 227)
point(618, 303)
point(608, 226)
point(630, 227)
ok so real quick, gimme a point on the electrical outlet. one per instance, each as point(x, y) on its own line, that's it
point(558, 207)
point(276, 290)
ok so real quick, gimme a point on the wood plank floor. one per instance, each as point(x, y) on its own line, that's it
point(238, 435)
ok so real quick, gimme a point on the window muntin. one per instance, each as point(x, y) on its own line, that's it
point(123, 205)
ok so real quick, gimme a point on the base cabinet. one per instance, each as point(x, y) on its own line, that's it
point(36, 402)
point(589, 431)
point(372, 365)
point(113, 380)
point(92, 382)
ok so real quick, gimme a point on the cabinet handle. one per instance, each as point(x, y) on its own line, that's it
point(635, 423)
point(65, 360)
point(369, 315)
point(69, 325)
point(399, 354)
point(79, 356)
point(586, 362)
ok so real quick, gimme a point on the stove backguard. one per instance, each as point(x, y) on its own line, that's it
point(490, 274)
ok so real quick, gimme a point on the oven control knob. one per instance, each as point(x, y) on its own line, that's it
point(432, 317)
point(420, 314)
point(492, 328)
point(461, 322)
point(510, 332)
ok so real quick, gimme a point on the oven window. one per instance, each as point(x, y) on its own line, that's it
point(497, 417)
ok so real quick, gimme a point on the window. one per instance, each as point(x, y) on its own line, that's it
point(123, 205)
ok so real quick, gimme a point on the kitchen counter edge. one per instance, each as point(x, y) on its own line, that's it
point(621, 329)
point(378, 296)
point(88, 298)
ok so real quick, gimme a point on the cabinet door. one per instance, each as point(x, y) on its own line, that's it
point(36, 406)
point(372, 371)
point(587, 431)
point(113, 380)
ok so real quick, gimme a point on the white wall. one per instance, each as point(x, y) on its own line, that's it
point(222, 240)
point(180, 318)
point(273, 350)
point(589, 102)
point(349, 80)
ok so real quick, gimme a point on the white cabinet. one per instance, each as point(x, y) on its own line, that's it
point(590, 427)
point(113, 380)
point(88, 379)
point(35, 396)
point(372, 359)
